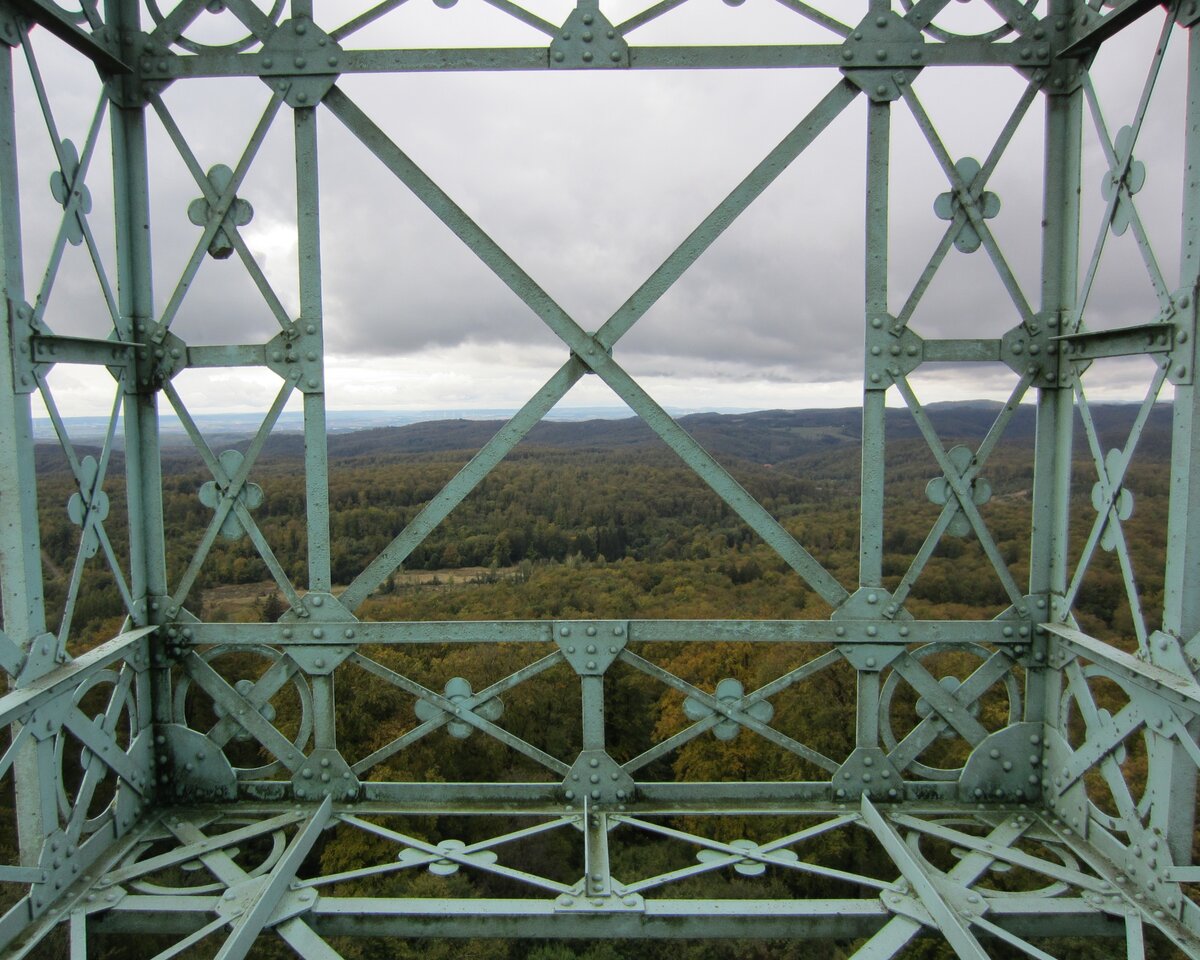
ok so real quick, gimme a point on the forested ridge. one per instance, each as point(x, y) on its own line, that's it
point(613, 525)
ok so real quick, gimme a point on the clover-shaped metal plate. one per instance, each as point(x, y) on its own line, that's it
point(89, 500)
point(1134, 179)
point(457, 690)
point(748, 867)
point(940, 491)
point(250, 496)
point(240, 213)
point(1122, 503)
point(729, 692)
point(61, 184)
point(948, 205)
point(445, 867)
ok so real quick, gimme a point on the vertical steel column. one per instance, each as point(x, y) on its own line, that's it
point(1055, 407)
point(135, 300)
point(316, 467)
point(1174, 780)
point(20, 543)
point(870, 539)
point(308, 226)
point(592, 705)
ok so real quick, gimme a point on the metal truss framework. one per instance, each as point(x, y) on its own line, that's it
point(160, 830)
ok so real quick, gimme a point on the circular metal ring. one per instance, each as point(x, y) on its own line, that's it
point(1011, 687)
point(1065, 709)
point(278, 845)
point(940, 33)
point(304, 693)
point(1053, 889)
point(234, 46)
point(128, 709)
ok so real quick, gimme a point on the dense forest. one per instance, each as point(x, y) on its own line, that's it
point(601, 520)
point(611, 523)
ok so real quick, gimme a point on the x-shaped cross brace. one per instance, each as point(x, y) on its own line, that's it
point(591, 351)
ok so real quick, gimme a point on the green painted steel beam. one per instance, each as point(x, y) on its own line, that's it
point(1004, 632)
point(1109, 873)
point(58, 22)
point(741, 919)
point(960, 53)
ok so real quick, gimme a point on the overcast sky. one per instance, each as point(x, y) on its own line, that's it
point(589, 180)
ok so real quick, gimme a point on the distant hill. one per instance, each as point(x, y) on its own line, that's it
point(764, 437)
point(767, 436)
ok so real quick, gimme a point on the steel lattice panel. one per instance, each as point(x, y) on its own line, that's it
point(162, 794)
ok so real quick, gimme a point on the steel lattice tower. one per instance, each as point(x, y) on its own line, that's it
point(157, 789)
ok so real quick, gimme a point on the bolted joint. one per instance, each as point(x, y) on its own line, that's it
point(1005, 767)
point(325, 773)
point(301, 62)
point(191, 767)
point(1032, 349)
point(299, 353)
point(883, 54)
point(23, 328)
point(588, 40)
point(892, 350)
point(596, 778)
point(1182, 356)
point(153, 65)
point(156, 362)
point(868, 772)
point(591, 646)
point(1060, 77)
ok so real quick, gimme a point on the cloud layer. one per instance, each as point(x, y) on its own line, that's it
point(589, 181)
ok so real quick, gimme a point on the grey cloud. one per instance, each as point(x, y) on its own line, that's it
point(589, 181)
